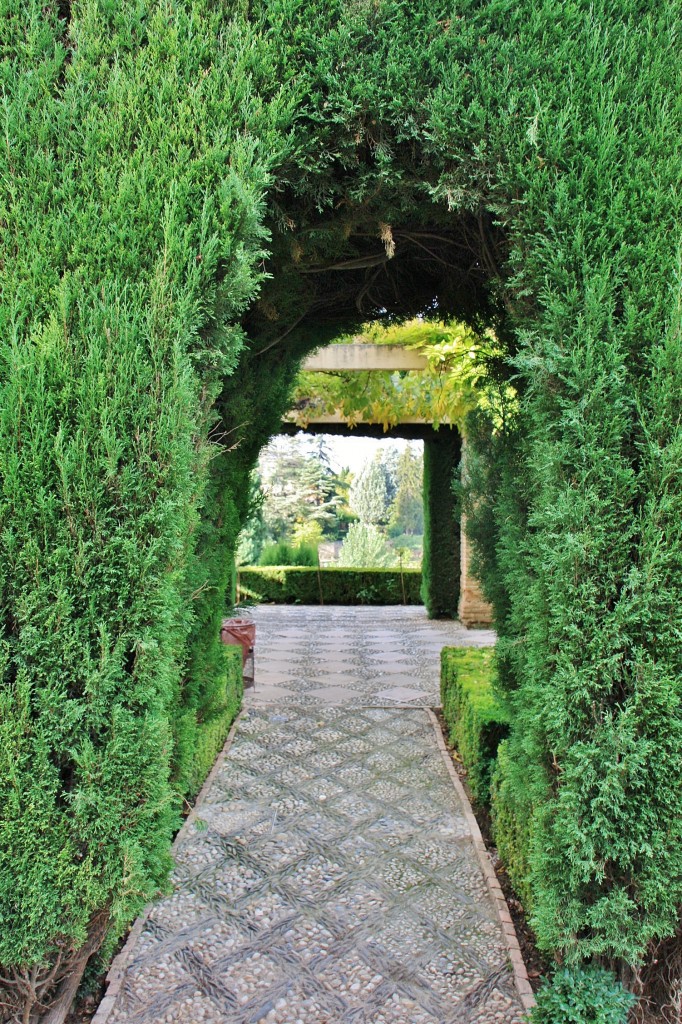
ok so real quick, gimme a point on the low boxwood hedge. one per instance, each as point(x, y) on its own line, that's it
point(302, 585)
point(212, 730)
point(511, 824)
point(475, 720)
point(478, 727)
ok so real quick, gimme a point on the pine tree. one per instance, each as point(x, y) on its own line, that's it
point(364, 547)
point(369, 494)
point(406, 513)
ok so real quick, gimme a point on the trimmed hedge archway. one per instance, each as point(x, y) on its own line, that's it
point(195, 195)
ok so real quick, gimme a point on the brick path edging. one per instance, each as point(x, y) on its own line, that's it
point(515, 957)
point(116, 973)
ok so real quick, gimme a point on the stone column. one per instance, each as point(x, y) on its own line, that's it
point(473, 609)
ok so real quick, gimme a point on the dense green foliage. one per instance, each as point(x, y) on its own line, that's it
point(215, 721)
point(369, 497)
point(475, 721)
point(477, 724)
point(406, 514)
point(511, 826)
point(130, 245)
point(440, 561)
point(302, 497)
point(579, 996)
point(364, 547)
point(286, 585)
point(579, 503)
point(443, 392)
point(195, 195)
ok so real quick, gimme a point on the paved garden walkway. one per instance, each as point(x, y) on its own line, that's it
point(330, 874)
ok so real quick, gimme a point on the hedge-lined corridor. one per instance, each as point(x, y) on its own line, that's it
point(330, 873)
point(194, 196)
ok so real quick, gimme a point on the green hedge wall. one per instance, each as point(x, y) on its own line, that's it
point(512, 824)
point(441, 557)
point(475, 720)
point(582, 512)
point(131, 241)
point(195, 194)
point(301, 585)
point(478, 727)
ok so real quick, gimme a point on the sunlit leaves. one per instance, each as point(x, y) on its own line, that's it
point(442, 393)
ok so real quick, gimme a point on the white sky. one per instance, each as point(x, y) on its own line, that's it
point(354, 452)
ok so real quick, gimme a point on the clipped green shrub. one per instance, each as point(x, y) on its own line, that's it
point(131, 241)
point(214, 723)
point(440, 558)
point(512, 823)
point(282, 553)
point(581, 995)
point(475, 720)
point(581, 495)
point(299, 585)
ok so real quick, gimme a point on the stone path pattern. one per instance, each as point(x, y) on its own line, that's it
point(330, 875)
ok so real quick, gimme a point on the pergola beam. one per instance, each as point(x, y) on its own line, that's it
point(414, 430)
point(357, 357)
point(319, 419)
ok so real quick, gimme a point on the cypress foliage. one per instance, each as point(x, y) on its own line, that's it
point(196, 194)
point(131, 239)
point(440, 559)
point(587, 516)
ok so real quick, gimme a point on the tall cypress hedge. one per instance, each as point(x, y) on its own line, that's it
point(582, 505)
point(194, 195)
point(132, 235)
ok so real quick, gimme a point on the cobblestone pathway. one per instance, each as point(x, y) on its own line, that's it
point(353, 656)
point(330, 875)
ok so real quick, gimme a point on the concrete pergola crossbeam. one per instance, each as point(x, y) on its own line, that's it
point(357, 357)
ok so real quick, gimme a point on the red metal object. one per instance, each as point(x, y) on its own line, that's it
point(241, 633)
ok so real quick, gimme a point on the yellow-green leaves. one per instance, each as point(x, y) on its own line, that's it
point(444, 392)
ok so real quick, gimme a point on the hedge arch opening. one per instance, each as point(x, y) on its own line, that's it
point(333, 275)
point(387, 230)
point(442, 571)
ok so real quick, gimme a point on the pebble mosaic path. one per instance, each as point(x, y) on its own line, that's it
point(329, 874)
point(353, 656)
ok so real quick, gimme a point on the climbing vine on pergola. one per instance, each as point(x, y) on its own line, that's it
point(444, 391)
